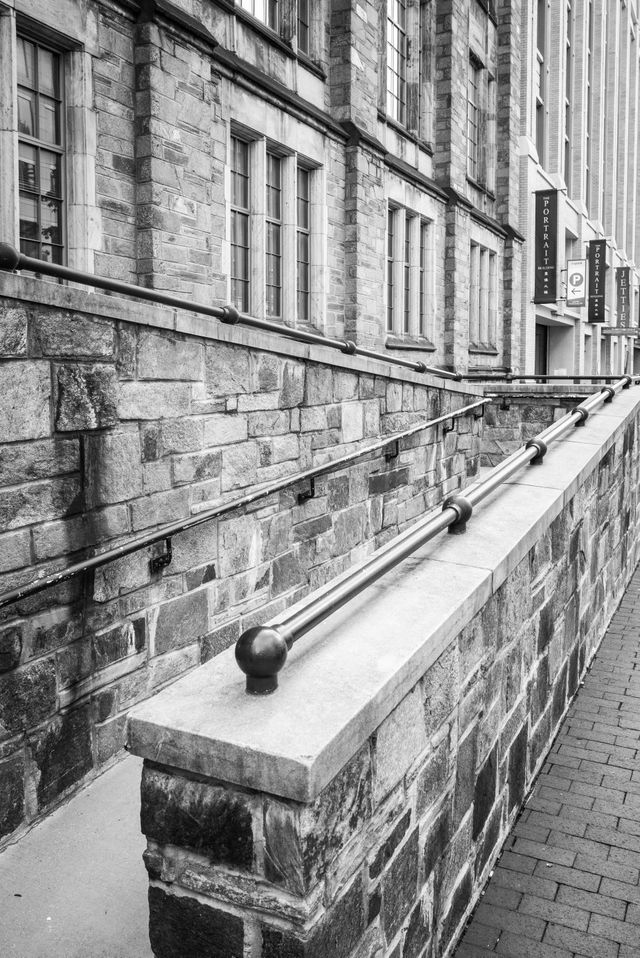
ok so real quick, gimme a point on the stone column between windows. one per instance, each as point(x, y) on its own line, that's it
point(257, 226)
point(9, 219)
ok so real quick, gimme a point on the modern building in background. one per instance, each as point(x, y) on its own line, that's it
point(579, 114)
point(367, 170)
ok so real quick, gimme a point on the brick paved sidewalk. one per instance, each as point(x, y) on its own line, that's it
point(568, 882)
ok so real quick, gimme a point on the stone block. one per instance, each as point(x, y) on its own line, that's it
point(128, 638)
point(11, 794)
point(213, 821)
point(418, 930)
point(196, 467)
point(460, 901)
point(319, 385)
point(181, 435)
point(63, 334)
point(293, 380)
point(400, 886)
point(109, 738)
point(159, 508)
point(517, 769)
point(43, 459)
point(484, 792)
point(399, 741)
point(13, 331)
point(387, 850)
point(345, 386)
point(349, 527)
point(226, 370)
point(113, 465)
point(313, 418)
point(431, 782)
point(352, 422)
point(387, 481)
point(180, 622)
point(269, 422)
point(438, 835)
point(465, 774)
point(86, 397)
point(10, 647)
point(162, 356)
point(25, 399)
point(227, 428)
point(440, 688)
point(334, 936)
point(15, 550)
point(154, 400)
point(239, 465)
point(240, 545)
point(219, 639)
point(301, 842)
point(39, 502)
point(61, 754)
point(179, 925)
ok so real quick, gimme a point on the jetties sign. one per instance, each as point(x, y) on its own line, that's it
point(546, 248)
point(622, 295)
point(597, 257)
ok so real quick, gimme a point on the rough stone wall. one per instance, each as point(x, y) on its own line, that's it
point(109, 428)
point(387, 861)
point(519, 415)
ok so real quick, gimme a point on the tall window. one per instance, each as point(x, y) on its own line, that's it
point(268, 11)
point(473, 118)
point(482, 297)
point(40, 151)
point(541, 70)
point(390, 270)
point(240, 224)
point(409, 289)
point(303, 251)
point(302, 36)
point(397, 60)
point(568, 97)
point(275, 249)
point(274, 237)
point(589, 117)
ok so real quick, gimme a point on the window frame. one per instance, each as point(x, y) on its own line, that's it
point(409, 279)
point(271, 17)
point(396, 99)
point(483, 297)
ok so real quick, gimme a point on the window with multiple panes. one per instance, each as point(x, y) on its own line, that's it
point(568, 96)
point(473, 118)
point(409, 281)
point(274, 264)
point(268, 11)
point(540, 77)
point(303, 245)
point(40, 150)
point(240, 224)
point(397, 60)
point(483, 294)
point(273, 247)
point(302, 35)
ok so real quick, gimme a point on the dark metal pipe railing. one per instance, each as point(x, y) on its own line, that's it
point(536, 377)
point(262, 650)
point(11, 259)
point(166, 532)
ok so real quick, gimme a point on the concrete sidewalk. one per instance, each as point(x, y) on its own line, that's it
point(76, 886)
point(568, 882)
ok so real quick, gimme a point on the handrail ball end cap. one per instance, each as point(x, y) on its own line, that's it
point(261, 652)
point(9, 257)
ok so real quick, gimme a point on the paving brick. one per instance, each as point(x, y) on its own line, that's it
point(570, 877)
point(587, 944)
point(549, 853)
point(542, 887)
point(519, 863)
point(516, 946)
point(608, 869)
point(555, 911)
point(600, 904)
point(525, 925)
point(618, 931)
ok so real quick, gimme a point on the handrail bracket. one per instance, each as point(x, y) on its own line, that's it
point(308, 493)
point(162, 561)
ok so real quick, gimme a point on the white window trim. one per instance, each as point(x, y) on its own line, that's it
point(417, 223)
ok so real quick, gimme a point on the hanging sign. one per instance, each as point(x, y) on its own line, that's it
point(546, 247)
point(576, 282)
point(597, 258)
point(622, 295)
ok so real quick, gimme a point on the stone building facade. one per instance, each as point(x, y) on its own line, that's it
point(350, 167)
point(579, 124)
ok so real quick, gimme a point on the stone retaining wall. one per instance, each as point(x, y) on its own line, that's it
point(116, 417)
point(357, 812)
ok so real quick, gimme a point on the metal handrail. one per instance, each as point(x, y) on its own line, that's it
point(11, 260)
point(261, 651)
point(166, 532)
point(536, 377)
